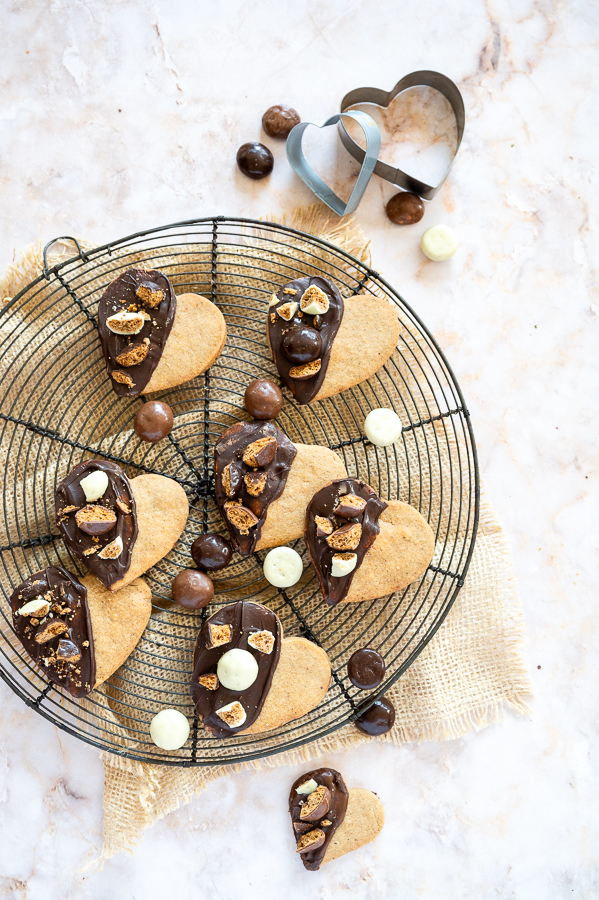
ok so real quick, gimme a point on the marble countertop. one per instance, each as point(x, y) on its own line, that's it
point(119, 116)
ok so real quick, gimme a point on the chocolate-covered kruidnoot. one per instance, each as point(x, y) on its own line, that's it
point(341, 525)
point(314, 307)
point(378, 718)
point(366, 668)
point(135, 317)
point(52, 621)
point(107, 554)
point(251, 464)
point(322, 815)
point(245, 626)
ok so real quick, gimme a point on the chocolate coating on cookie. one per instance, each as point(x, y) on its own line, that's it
point(336, 796)
point(153, 421)
point(278, 120)
point(304, 380)
point(59, 637)
point(366, 669)
point(348, 536)
point(236, 626)
point(211, 552)
point(263, 399)
point(378, 719)
point(251, 464)
point(107, 556)
point(192, 589)
point(149, 294)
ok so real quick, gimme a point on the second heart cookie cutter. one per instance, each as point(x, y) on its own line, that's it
point(424, 78)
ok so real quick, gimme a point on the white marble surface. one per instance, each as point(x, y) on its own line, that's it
point(118, 115)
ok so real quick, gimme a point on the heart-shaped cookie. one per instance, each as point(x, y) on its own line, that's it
point(118, 527)
point(77, 632)
point(328, 819)
point(248, 678)
point(378, 97)
point(300, 165)
point(153, 340)
point(323, 343)
point(263, 483)
point(363, 547)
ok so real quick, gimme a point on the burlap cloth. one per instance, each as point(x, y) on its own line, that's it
point(472, 668)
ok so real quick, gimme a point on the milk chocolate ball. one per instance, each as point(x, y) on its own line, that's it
point(153, 421)
point(263, 399)
point(211, 552)
point(279, 120)
point(192, 589)
point(301, 344)
point(255, 160)
point(405, 208)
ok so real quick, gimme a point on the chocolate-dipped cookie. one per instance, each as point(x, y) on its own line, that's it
point(263, 483)
point(363, 547)
point(329, 820)
point(152, 339)
point(247, 677)
point(64, 626)
point(323, 343)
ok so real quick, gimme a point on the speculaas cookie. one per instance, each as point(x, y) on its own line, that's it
point(77, 632)
point(118, 527)
point(363, 547)
point(323, 343)
point(248, 678)
point(263, 483)
point(329, 820)
point(152, 339)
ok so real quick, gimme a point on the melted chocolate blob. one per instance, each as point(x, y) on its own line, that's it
point(405, 208)
point(278, 120)
point(339, 794)
point(211, 552)
point(378, 719)
point(246, 486)
point(118, 498)
point(303, 386)
point(366, 669)
point(263, 399)
point(153, 421)
point(255, 160)
point(61, 645)
point(192, 590)
point(324, 505)
point(232, 627)
point(132, 358)
point(302, 344)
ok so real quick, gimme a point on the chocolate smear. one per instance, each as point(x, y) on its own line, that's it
point(305, 380)
point(232, 627)
point(246, 452)
point(332, 819)
point(338, 495)
point(131, 358)
point(64, 648)
point(118, 499)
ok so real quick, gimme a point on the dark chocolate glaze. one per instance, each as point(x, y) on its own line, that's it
point(68, 600)
point(332, 780)
point(378, 718)
point(119, 296)
point(245, 619)
point(322, 504)
point(229, 450)
point(328, 325)
point(70, 494)
point(366, 669)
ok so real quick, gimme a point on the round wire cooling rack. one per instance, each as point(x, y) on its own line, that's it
point(57, 408)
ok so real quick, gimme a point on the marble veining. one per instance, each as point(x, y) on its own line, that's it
point(119, 116)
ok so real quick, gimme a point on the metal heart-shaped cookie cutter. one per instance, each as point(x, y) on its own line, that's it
point(368, 158)
point(381, 98)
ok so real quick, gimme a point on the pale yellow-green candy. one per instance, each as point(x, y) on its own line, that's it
point(439, 242)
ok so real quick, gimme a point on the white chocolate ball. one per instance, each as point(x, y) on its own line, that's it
point(382, 427)
point(169, 729)
point(343, 564)
point(237, 669)
point(94, 485)
point(283, 567)
point(439, 242)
